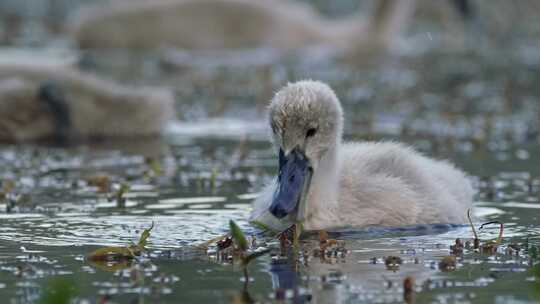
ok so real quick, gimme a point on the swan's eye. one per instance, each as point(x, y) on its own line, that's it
point(311, 132)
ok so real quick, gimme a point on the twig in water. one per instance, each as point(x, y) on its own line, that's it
point(476, 239)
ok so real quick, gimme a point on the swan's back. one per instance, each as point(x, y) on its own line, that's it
point(396, 185)
point(96, 107)
point(196, 24)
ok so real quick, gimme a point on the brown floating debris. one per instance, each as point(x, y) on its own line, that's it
point(408, 290)
point(7, 187)
point(513, 249)
point(325, 241)
point(392, 262)
point(286, 239)
point(448, 263)
point(224, 243)
point(490, 247)
point(210, 242)
point(101, 182)
point(457, 248)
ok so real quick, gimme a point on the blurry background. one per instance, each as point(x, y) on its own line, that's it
point(467, 73)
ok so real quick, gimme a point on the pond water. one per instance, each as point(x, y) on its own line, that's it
point(477, 107)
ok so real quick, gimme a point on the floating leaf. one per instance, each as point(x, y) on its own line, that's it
point(114, 253)
point(238, 236)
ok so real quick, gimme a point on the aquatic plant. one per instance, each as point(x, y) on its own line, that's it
point(119, 195)
point(476, 239)
point(241, 248)
point(122, 254)
point(492, 245)
point(487, 247)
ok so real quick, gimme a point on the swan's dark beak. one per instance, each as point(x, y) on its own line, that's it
point(293, 182)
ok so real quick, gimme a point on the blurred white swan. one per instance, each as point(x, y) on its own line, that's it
point(44, 101)
point(329, 184)
point(233, 24)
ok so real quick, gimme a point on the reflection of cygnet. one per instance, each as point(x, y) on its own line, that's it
point(54, 102)
point(325, 183)
point(233, 24)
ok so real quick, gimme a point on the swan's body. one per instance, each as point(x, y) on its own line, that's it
point(44, 102)
point(232, 24)
point(351, 184)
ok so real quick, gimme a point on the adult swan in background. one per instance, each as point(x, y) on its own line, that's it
point(234, 24)
point(327, 184)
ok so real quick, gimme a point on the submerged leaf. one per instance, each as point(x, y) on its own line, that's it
point(536, 285)
point(58, 291)
point(238, 236)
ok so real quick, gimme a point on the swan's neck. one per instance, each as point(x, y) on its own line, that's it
point(358, 34)
point(390, 17)
point(323, 193)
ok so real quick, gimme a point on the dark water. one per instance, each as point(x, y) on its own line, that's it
point(476, 106)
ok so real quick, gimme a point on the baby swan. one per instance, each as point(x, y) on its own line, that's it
point(327, 184)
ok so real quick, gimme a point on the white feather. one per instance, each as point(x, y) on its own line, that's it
point(361, 183)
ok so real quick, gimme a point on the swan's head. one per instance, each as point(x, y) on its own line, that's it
point(307, 122)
